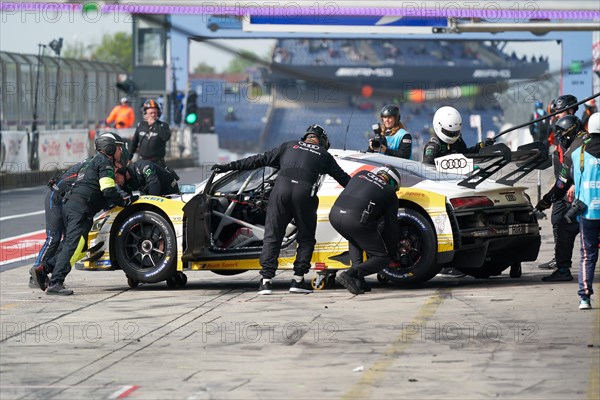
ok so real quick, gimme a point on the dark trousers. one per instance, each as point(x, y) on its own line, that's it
point(361, 237)
point(289, 201)
point(564, 235)
point(78, 223)
point(590, 238)
point(54, 228)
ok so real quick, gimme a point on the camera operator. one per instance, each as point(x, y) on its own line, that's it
point(390, 136)
point(581, 168)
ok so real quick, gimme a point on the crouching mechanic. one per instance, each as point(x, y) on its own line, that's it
point(581, 169)
point(149, 178)
point(356, 214)
point(294, 196)
point(93, 190)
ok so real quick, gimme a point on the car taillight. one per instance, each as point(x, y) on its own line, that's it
point(471, 202)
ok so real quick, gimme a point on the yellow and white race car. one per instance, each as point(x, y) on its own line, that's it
point(469, 222)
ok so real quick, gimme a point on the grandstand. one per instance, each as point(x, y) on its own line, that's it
point(320, 80)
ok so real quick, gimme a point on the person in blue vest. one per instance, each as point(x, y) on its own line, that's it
point(539, 130)
point(581, 169)
point(390, 136)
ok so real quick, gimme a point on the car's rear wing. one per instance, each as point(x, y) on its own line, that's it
point(492, 159)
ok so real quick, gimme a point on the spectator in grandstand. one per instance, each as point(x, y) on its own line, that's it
point(447, 125)
point(294, 196)
point(121, 116)
point(390, 136)
point(230, 114)
point(151, 135)
point(590, 108)
point(539, 131)
point(582, 164)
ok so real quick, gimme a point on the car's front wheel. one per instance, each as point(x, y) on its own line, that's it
point(145, 247)
point(416, 248)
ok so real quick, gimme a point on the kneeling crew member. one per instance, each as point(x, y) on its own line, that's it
point(356, 213)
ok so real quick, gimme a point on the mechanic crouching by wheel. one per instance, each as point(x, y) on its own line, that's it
point(294, 196)
point(356, 213)
point(92, 191)
point(149, 178)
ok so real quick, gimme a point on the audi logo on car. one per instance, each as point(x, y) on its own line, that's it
point(510, 197)
point(454, 163)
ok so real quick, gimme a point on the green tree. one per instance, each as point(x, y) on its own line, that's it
point(77, 50)
point(203, 68)
point(115, 48)
point(241, 62)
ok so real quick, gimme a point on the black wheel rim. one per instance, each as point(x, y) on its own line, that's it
point(410, 247)
point(144, 246)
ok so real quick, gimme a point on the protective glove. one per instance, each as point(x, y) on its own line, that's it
point(130, 200)
point(539, 214)
point(218, 168)
point(542, 205)
point(487, 142)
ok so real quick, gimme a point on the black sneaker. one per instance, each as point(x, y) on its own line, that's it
point(300, 287)
point(451, 273)
point(548, 265)
point(59, 289)
point(265, 287)
point(559, 276)
point(352, 284)
point(39, 277)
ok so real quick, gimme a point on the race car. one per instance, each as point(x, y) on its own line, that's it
point(469, 222)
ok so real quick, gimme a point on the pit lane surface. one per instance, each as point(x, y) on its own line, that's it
point(216, 338)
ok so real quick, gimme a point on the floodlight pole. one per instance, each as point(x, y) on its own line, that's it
point(57, 51)
point(33, 142)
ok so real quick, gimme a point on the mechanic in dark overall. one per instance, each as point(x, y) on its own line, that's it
point(569, 135)
point(390, 136)
point(149, 178)
point(368, 198)
point(294, 196)
point(447, 126)
point(581, 172)
point(566, 102)
point(57, 187)
point(93, 190)
point(151, 135)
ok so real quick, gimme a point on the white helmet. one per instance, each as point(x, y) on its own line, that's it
point(594, 123)
point(447, 124)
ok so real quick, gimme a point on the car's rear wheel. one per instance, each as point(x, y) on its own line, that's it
point(145, 247)
point(417, 249)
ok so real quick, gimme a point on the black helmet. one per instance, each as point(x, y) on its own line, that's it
point(107, 143)
point(391, 109)
point(321, 134)
point(151, 104)
point(566, 129)
point(564, 101)
point(392, 175)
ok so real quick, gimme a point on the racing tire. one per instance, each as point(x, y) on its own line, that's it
point(418, 249)
point(145, 247)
